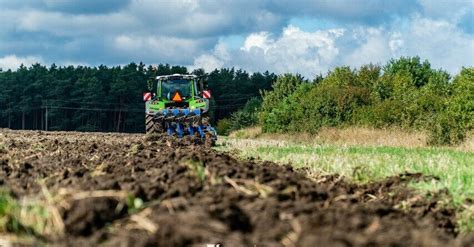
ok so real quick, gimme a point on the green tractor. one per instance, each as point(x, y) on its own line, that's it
point(179, 105)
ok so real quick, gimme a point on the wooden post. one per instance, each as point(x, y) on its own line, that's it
point(42, 119)
point(9, 118)
point(23, 120)
point(46, 124)
point(119, 119)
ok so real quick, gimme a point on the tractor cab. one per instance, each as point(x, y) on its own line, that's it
point(177, 87)
point(177, 90)
point(181, 91)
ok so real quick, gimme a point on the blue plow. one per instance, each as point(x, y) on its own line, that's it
point(185, 122)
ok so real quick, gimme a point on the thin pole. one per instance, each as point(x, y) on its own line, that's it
point(23, 120)
point(9, 117)
point(42, 119)
point(46, 124)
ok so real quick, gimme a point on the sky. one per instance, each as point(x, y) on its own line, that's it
point(308, 37)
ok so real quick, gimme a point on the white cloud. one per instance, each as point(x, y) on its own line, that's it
point(193, 32)
point(396, 43)
point(13, 62)
point(441, 42)
point(207, 62)
point(311, 53)
point(70, 25)
point(376, 48)
point(192, 18)
point(258, 40)
point(142, 48)
point(446, 9)
point(297, 51)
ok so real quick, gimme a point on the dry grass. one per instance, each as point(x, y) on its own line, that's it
point(371, 137)
point(353, 136)
point(468, 144)
point(251, 132)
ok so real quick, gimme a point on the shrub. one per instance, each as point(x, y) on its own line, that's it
point(457, 118)
point(419, 72)
point(446, 130)
point(276, 108)
point(334, 104)
point(223, 126)
point(461, 102)
point(247, 116)
point(409, 94)
point(242, 119)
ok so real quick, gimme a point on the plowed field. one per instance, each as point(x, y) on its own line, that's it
point(136, 190)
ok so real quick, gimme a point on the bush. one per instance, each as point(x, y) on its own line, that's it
point(247, 116)
point(223, 126)
point(408, 94)
point(242, 119)
point(277, 105)
point(446, 130)
point(457, 118)
point(461, 102)
point(380, 115)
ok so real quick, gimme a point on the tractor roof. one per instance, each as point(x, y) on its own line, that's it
point(176, 77)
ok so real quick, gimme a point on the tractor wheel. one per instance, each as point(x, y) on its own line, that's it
point(149, 124)
point(152, 126)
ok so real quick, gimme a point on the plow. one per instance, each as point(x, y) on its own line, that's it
point(179, 106)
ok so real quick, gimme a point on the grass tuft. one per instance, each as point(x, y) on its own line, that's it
point(25, 217)
point(197, 170)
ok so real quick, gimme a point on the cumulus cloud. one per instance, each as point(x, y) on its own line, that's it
point(444, 9)
point(67, 25)
point(196, 32)
point(311, 53)
point(307, 53)
point(146, 48)
point(13, 62)
point(192, 18)
point(85, 6)
point(351, 11)
point(443, 43)
point(375, 47)
point(258, 40)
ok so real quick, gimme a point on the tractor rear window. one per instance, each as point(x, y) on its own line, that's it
point(169, 88)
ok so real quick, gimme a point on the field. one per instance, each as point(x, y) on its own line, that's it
point(363, 155)
point(83, 189)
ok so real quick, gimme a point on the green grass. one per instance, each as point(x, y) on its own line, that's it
point(197, 170)
point(455, 169)
point(10, 215)
point(26, 219)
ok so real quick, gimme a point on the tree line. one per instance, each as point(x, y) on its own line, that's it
point(405, 93)
point(108, 99)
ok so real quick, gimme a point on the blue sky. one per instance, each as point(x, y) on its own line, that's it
point(306, 36)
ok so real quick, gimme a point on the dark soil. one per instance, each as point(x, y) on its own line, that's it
point(194, 195)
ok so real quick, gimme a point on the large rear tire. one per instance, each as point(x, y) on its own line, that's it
point(152, 126)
